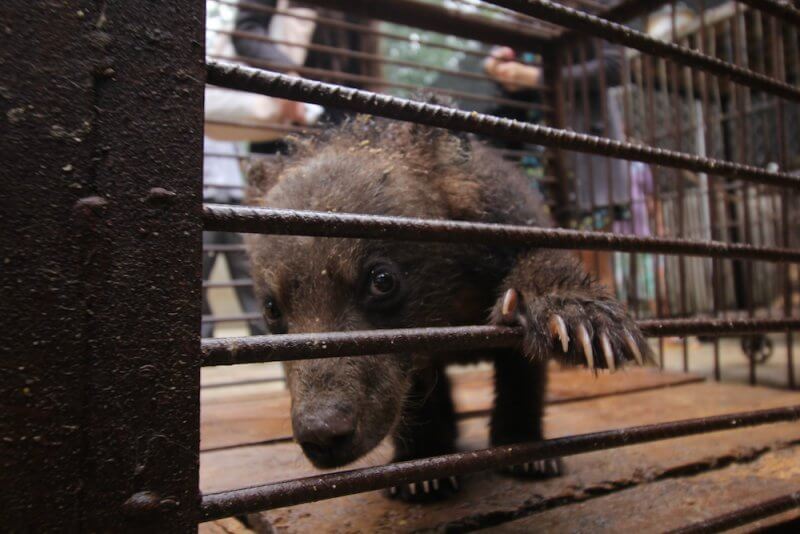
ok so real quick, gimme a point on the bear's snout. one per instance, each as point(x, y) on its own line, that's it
point(326, 434)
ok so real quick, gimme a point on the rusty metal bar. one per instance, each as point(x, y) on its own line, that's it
point(260, 349)
point(434, 18)
point(364, 55)
point(101, 235)
point(613, 32)
point(267, 126)
point(238, 282)
point(380, 82)
point(243, 219)
point(293, 88)
point(782, 10)
point(743, 516)
point(466, 414)
point(238, 247)
point(711, 185)
point(327, 486)
point(360, 28)
point(231, 318)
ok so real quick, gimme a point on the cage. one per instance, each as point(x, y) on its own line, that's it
point(662, 136)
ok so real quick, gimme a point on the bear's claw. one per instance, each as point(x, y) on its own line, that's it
point(575, 329)
point(550, 467)
point(425, 490)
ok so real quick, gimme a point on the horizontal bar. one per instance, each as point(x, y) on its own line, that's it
point(783, 10)
point(224, 218)
point(326, 486)
point(617, 33)
point(227, 247)
point(293, 88)
point(360, 28)
point(373, 81)
point(236, 282)
point(472, 414)
point(366, 57)
point(231, 318)
point(274, 348)
point(438, 19)
point(743, 516)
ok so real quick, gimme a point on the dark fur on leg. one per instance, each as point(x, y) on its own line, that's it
point(520, 387)
point(428, 429)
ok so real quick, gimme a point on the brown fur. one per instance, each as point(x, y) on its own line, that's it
point(370, 166)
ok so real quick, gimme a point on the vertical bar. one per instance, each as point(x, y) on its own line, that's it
point(587, 123)
point(554, 96)
point(610, 206)
point(101, 282)
point(740, 97)
point(711, 189)
point(677, 111)
point(651, 131)
point(779, 72)
point(633, 297)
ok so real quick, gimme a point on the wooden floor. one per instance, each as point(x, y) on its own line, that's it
point(651, 487)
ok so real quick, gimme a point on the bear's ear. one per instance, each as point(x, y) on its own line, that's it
point(262, 175)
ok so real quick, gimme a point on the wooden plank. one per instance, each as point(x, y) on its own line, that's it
point(248, 414)
point(488, 496)
point(228, 525)
point(675, 502)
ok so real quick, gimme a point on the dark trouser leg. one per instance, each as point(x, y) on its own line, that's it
point(520, 387)
point(239, 267)
point(428, 428)
point(209, 258)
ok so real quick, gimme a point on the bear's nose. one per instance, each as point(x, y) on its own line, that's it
point(326, 435)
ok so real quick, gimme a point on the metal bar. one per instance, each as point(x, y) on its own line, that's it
point(778, 66)
point(366, 29)
point(101, 240)
point(587, 122)
point(239, 247)
point(244, 219)
point(266, 126)
point(743, 516)
point(363, 55)
point(782, 10)
point(238, 282)
point(231, 318)
point(442, 20)
point(711, 184)
point(361, 79)
point(293, 88)
point(613, 32)
point(625, 10)
point(260, 349)
point(555, 99)
point(472, 414)
point(326, 486)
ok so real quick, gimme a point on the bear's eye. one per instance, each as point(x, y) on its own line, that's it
point(382, 282)
point(271, 310)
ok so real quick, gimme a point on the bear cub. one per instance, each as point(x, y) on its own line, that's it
point(343, 407)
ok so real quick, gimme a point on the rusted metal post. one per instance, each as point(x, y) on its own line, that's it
point(101, 238)
point(553, 64)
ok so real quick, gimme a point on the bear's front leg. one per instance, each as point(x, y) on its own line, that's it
point(566, 313)
point(428, 428)
point(520, 386)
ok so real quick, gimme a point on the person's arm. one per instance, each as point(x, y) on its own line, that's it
point(515, 76)
point(257, 22)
